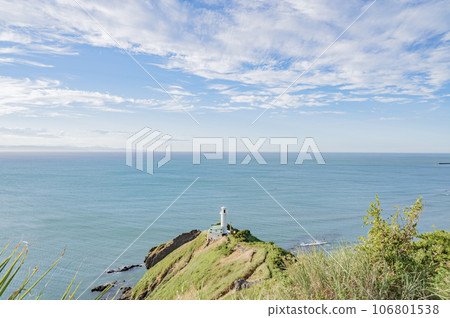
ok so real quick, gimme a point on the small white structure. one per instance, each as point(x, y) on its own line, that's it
point(223, 220)
point(217, 231)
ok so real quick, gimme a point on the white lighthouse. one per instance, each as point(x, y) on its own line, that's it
point(216, 231)
point(223, 220)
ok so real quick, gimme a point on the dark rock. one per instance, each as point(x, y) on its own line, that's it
point(101, 288)
point(126, 293)
point(242, 284)
point(122, 269)
point(157, 253)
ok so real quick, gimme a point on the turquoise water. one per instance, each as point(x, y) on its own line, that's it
point(94, 206)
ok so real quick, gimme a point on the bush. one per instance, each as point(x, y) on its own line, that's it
point(418, 266)
point(432, 251)
point(391, 240)
point(245, 236)
point(392, 262)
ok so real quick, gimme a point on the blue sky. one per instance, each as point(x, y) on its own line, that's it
point(383, 86)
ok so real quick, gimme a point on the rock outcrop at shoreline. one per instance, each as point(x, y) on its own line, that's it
point(122, 269)
point(101, 288)
point(157, 253)
point(126, 293)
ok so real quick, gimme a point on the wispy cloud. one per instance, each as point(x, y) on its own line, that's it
point(11, 60)
point(391, 99)
point(321, 112)
point(28, 132)
point(48, 98)
point(397, 50)
point(391, 118)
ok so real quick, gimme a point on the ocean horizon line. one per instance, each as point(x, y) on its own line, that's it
point(6, 149)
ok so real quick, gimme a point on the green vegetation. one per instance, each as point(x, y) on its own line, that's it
point(392, 262)
point(244, 236)
point(10, 266)
point(208, 270)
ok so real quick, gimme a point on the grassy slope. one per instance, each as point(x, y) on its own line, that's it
point(200, 271)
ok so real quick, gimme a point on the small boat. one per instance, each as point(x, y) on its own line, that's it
point(443, 163)
point(313, 243)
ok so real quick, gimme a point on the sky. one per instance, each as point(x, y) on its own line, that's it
point(357, 76)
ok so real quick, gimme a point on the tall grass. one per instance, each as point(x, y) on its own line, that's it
point(11, 265)
point(347, 273)
point(392, 262)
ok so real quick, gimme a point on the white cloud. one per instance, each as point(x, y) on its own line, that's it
point(321, 112)
point(391, 118)
point(28, 132)
point(219, 87)
point(46, 97)
point(6, 110)
point(177, 91)
point(396, 48)
point(390, 99)
point(10, 60)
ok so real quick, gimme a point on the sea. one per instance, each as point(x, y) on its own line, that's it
point(104, 214)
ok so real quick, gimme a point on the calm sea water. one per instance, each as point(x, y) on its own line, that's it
point(93, 205)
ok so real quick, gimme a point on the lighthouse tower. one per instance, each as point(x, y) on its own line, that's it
point(223, 220)
point(217, 231)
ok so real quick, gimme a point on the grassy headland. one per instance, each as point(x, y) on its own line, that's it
point(393, 261)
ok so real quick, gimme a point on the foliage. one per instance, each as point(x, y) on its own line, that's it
point(392, 262)
point(201, 270)
point(245, 236)
point(440, 286)
point(399, 252)
point(343, 273)
point(432, 251)
point(11, 265)
point(391, 240)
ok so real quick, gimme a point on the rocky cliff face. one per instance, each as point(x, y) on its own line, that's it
point(157, 253)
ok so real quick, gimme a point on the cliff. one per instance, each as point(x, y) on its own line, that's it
point(191, 267)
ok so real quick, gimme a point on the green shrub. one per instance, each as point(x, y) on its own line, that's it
point(391, 240)
point(245, 236)
point(432, 251)
point(392, 262)
point(413, 264)
point(242, 236)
